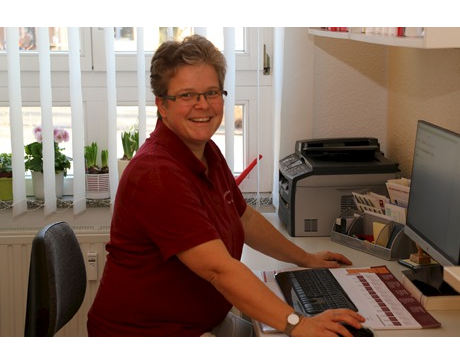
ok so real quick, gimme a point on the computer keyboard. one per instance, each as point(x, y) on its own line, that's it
point(316, 290)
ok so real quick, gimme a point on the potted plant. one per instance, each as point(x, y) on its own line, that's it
point(34, 161)
point(96, 179)
point(130, 142)
point(6, 177)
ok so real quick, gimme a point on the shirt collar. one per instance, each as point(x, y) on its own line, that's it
point(183, 154)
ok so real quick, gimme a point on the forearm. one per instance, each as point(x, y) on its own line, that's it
point(250, 295)
point(262, 236)
point(247, 292)
point(237, 283)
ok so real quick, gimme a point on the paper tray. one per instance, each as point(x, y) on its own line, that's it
point(399, 245)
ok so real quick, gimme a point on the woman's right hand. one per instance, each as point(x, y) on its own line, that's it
point(329, 323)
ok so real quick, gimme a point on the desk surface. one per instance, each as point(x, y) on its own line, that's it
point(449, 319)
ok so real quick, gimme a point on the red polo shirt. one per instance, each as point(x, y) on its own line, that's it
point(166, 204)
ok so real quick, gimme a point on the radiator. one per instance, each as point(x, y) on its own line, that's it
point(15, 248)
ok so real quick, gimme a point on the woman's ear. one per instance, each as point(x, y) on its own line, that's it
point(161, 106)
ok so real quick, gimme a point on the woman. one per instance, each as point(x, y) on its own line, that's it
point(179, 222)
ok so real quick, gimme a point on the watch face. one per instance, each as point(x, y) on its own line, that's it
point(293, 319)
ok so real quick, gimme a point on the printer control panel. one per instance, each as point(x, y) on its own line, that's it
point(294, 166)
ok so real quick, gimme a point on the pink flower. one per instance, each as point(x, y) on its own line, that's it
point(60, 135)
point(38, 134)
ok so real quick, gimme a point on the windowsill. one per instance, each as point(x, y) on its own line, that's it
point(265, 202)
point(64, 202)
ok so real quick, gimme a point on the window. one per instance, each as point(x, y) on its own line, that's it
point(31, 119)
point(246, 49)
point(252, 132)
point(58, 39)
point(126, 38)
point(28, 39)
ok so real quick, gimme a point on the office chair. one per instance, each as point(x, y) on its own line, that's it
point(57, 280)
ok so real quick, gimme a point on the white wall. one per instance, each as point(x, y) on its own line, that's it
point(297, 105)
point(423, 84)
point(339, 88)
point(332, 88)
point(350, 90)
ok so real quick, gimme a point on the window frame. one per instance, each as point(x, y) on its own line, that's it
point(59, 59)
point(126, 61)
point(253, 89)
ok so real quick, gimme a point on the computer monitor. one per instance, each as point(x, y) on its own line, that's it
point(433, 212)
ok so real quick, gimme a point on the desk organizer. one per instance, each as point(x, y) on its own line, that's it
point(397, 245)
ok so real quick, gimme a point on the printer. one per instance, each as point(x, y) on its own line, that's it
point(316, 181)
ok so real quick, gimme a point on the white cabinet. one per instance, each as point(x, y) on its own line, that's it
point(433, 37)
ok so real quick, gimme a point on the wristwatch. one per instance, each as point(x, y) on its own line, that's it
point(292, 321)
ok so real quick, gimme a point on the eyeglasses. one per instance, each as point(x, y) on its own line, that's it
point(191, 98)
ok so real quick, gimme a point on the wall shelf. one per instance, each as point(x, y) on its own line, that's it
point(433, 38)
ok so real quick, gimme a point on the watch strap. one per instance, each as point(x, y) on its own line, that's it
point(289, 327)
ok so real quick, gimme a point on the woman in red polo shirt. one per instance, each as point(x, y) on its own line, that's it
point(179, 222)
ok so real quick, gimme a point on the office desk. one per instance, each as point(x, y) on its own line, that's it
point(450, 320)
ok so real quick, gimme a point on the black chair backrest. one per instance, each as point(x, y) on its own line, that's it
point(57, 280)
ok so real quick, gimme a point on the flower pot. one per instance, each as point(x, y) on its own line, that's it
point(38, 186)
point(6, 189)
point(97, 186)
point(122, 164)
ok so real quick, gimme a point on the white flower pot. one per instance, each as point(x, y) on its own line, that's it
point(38, 186)
point(97, 186)
point(122, 164)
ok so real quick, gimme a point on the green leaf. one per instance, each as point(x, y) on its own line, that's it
point(104, 158)
point(33, 159)
point(91, 155)
point(5, 163)
point(130, 142)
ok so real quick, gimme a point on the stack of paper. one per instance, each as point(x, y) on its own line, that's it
point(395, 206)
point(370, 202)
point(398, 189)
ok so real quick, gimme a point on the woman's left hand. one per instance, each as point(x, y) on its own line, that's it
point(327, 259)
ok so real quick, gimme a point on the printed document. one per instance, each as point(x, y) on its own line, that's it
point(378, 295)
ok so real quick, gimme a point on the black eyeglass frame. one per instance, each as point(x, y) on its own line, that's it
point(198, 95)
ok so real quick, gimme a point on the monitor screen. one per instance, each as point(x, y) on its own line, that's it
point(433, 212)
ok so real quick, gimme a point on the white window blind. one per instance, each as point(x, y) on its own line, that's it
point(112, 101)
point(79, 126)
point(46, 102)
point(15, 103)
point(141, 93)
point(46, 105)
point(229, 53)
point(111, 109)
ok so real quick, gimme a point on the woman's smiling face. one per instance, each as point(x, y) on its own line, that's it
point(195, 123)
